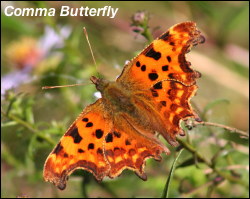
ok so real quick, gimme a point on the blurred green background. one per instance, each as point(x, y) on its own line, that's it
point(44, 51)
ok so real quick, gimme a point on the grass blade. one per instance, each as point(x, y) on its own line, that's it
point(167, 185)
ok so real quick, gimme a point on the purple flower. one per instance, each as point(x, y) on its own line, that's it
point(27, 53)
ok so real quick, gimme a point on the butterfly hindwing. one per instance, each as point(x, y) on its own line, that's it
point(126, 148)
point(80, 147)
point(171, 99)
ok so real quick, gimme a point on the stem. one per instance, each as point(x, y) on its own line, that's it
point(196, 190)
point(107, 189)
point(28, 126)
point(231, 129)
point(147, 34)
point(208, 163)
point(84, 187)
point(191, 148)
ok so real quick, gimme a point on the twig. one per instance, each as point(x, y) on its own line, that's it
point(231, 167)
point(28, 126)
point(231, 129)
point(108, 189)
point(208, 163)
point(196, 190)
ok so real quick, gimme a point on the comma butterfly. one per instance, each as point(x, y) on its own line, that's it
point(117, 132)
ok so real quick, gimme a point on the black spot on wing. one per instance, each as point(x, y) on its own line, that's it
point(89, 124)
point(163, 103)
point(165, 68)
point(99, 133)
point(158, 85)
point(91, 146)
point(153, 76)
point(109, 138)
point(58, 148)
point(169, 58)
point(99, 150)
point(75, 135)
point(85, 119)
point(172, 43)
point(80, 151)
point(127, 142)
point(65, 155)
point(154, 93)
point(143, 68)
point(138, 64)
point(171, 75)
point(153, 54)
point(117, 134)
point(165, 36)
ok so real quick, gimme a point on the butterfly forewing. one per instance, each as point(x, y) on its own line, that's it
point(164, 59)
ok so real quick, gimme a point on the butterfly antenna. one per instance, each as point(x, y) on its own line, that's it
point(87, 38)
point(70, 85)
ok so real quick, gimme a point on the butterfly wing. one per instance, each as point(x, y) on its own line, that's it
point(101, 144)
point(162, 75)
point(127, 148)
point(164, 59)
point(80, 147)
point(171, 101)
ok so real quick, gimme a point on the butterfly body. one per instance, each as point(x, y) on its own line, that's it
point(152, 95)
point(134, 106)
point(115, 97)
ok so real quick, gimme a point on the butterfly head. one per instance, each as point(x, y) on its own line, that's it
point(100, 83)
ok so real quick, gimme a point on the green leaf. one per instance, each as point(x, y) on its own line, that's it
point(8, 124)
point(167, 185)
point(189, 162)
point(234, 19)
point(212, 104)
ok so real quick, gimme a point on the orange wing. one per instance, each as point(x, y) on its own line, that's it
point(80, 147)
point(128, 148)
point(171, 99)
point(162, 75)
point(164, 59)
point(102, 145)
